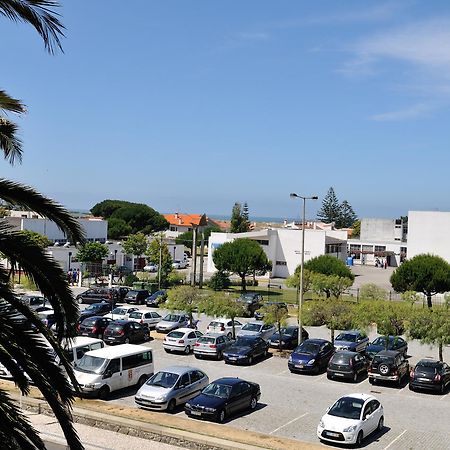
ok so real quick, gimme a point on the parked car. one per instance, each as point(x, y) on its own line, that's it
point(120, 312)
point(136, 296)
point(156, 299)
point(311, 355)
point(94, 326)
point(96, 309)
point(34, 301)
point(245, 350)
point(171, 322)
point(179, 264)
point(181, 340)
point(351, 419)
point(171, 387)
point(96, 295)
point(393, 343)
point(259, 314)
point(251, 301)
point(212, 345)
point(126, 332)
point(151, 267)
point(353, 340)
point(224, 326)
point(388, 365)
point(348, 365)
point(430, 374)
point(289, 337)
point(257, 328)
point(223, 398)
point(150, 318)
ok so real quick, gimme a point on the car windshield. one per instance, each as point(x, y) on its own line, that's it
point(382, 341)
point(288, 331)
point(132, 293)
point(119, 311)
point(89, 322)
point(341, 358)
point(252, 327)
point(217, 390)
point(378, 359)
point(91, 364)
point(93, 307)
point(244, 341)
point(347, 408)
point(216, 324)
point(206, 340)
point(176, 334)
point(308, 348)
point(163, 379)
point(346, 337)
point(135, 315)
point(171, 318)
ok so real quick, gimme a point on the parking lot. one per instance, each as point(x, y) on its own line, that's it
point(291, 405)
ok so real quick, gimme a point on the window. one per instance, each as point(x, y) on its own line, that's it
point(129, 362)
point(196, 375)
point(380, 248)
point(280, 263)
point(191, 335)
point(367, 248)
point(355, 251)
point(262, 241)
point(184, 380)
point(114, 366)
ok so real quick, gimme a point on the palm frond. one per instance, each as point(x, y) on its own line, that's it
point(26, 197)
point(37, 13)
point(10, 144)
point(8, 103)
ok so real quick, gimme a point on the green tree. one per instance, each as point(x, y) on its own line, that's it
point(294, 279)
point(184, 298)
point(136, 244)
point(158, 253)
point(429, 274)
point(356, 229)
point(347, 216)
point(329, 265)
point(275, 314)
point(338, 316)
point(92, 252)
point(371, 291)
point(242, 257)
point(330, 209)
point(219, 281)
point(118, 228)
point(239, 219)
point(19, 349)
point(187, 237)
point(39, 239)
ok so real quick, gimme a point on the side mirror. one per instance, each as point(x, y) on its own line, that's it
point(107, 374)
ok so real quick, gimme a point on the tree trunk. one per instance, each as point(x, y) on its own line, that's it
point(234, 329)
point(332, 335)
point(280, 347)
point(243, 283)
point(429, 304)
point(441, 356)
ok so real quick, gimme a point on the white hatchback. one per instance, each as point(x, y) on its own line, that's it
point(151, 318)
point(351, 419)
point(181, 340)
point(120, 313)
point(224, 326)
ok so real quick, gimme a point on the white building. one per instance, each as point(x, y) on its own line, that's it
point(283, 246)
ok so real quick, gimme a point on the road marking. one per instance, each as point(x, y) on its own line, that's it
point(396, 439)
point(286, 424)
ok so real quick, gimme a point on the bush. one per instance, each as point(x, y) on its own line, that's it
point(314, 313)
point(175, 279)
point(219, 281)
point(130, 279)
point(372, 292)
point(248, 282)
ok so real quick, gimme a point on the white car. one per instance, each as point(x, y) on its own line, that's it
point(351, 419)
point(179, 264)
point(224, 326)
point(257, 328)
point(120, 313)
point(181, 340)
point(151, 318)
point(150, 267)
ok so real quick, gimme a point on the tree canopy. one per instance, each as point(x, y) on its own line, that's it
point(158, 253)
point(187, 237)
point(92, 252)
point(328, 265)
point(342, 214)
point(429, 274)
point(135, 244)
point(243, 257)
point(239, 218)
point(184, 298)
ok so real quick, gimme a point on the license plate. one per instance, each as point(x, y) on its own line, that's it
point(84, 334)
point(232, 358)
point(299, 366)
point(339, 374)
point(330, 433)
point(196, 413)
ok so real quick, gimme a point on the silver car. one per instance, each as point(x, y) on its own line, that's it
point(257, 328)
point(171, 322)
point(171, 387)
point(212, 345)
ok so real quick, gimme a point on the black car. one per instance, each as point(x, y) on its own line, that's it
point(96, 309)
point(96, 295)
point(245, 350)
point(250, 301)
point(289, 337)
point(311, 356)
point(388, 365)
point(259, 314)
point(126, 332)
point(223, 398)
point(386, 343)
point(136, 296)
point(430, 374)
point(93, 326)
point(35, 302)
point(156, 299)
point(346, 365)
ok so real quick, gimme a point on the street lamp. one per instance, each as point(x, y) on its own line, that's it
point(70, 256)
point(302, 261)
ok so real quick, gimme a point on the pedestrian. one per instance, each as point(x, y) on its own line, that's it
point(74, 277)
point(385, 263)
point(69, 276)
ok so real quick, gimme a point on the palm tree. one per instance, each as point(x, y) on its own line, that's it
point(21, 349)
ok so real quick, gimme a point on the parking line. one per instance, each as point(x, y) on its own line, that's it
point(286, 424)
point(396, 439)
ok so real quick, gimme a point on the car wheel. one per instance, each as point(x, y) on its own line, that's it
point(167, 350)
point(329, 376)
point(372, 380)
point(127, 340)
point(355, 377)
point(219, 355)
point(253, 403)
point(442, 389)
point(384, 369)
point(221, 416)
point(250, 360)
point(103, 393)
point(142, 380)
point(197, 356)
point(380, 424)
point(171, 406)
point(359, 439)
point(187, 350)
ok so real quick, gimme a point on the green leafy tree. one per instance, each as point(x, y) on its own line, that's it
point(329, 265)
point(347, 216)
point(219, 281)
point(239, 219)
point(118, 228)
point(39, 239)
point(429, 274)
point(184, 298)
point(275, 314)
point(19, 349)
point(371, 291)
point(158, 253)
point(187, 237)
point(338, 316)
point(136, 244)
point(242, 257)
point(106, 208)
point(330, 209)
point(356, 229)
point(92, 252)
point(294, 279)
point(410, 297)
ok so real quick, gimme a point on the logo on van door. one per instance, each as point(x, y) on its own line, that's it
point(130, 374)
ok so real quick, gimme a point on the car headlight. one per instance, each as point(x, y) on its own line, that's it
point(89, 386)
point(321, 424)
point(350, 429)
point(311, 362)
point(290, 359)
point(211, 410)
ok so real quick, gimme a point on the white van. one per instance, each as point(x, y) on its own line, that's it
point(108, 369)
point(79, 345)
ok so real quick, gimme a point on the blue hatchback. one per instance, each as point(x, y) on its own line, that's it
point(311, 356)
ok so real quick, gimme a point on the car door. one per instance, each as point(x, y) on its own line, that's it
point(155, 318)
point(197, 383)
point(184, 388)
point(191, 339)
point(361, 343)
point(446, 373)
point(359, 363)
point(113, 375)
point(235, 402)
point(260, 347)
point(366, 422)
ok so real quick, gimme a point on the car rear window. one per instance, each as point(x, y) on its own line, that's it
point(206, 340)
point(428, 369)
point(115, 327)
point(89, 322)
point(176, 334)
point(378, 359)
point(340, 358)
point(135, 315)
point(216, 324)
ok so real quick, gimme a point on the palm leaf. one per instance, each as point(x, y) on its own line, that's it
point(10, 104)
point(26, 197)
point(38, 14)
point(10, 144)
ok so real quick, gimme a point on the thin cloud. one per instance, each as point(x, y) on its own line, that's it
point(417, 111)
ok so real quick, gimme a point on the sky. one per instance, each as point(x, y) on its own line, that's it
point(190, 106)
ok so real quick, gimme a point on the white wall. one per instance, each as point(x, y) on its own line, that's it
point(380, 230)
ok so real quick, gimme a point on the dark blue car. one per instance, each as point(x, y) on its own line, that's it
point(245, 350)
point(311, 356)
point(289, 337)
point(156, 299)
point(387, 343)
point(223, 398)
point(353, 341)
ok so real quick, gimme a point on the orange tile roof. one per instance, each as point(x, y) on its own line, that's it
point(185, 219)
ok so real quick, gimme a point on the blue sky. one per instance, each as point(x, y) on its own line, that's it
point(190, 106)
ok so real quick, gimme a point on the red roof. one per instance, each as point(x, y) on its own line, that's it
point(186, 220)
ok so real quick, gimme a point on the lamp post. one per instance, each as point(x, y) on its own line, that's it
point(302, 261)
point(70, 256)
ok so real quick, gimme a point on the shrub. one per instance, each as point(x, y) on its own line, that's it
point(130, 279)
point(219, 281)
point(314, 313)
point(175, 279)
point(372, 292)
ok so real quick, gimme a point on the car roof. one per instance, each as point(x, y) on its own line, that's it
point(389, 353)
point(79, 341)
point(179, 370)
point(360, 396)
point(213, 335)
point(93, 318)
point(257, 322)
point(429, 362)
point(184, 330)
point(317, 341)
point(345, 352)
point(118, 350)
point(350, 332)
point(228, 380)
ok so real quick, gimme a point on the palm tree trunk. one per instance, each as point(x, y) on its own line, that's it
point(441, 356)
